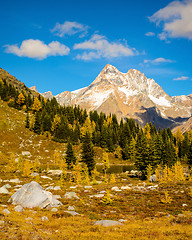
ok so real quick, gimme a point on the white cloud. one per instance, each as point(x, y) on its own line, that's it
point(99, 47)
point(37, 49)
point(176, 18)
point(150, 34)
point(158, 61)
point(181, 78)
point(69, 28)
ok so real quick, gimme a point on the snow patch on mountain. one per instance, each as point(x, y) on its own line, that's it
point(160, 101)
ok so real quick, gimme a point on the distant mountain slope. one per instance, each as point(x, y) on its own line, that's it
point(184, 127)
point(16, 83)
point(130, 94)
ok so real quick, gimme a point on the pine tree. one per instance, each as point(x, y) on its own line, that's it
point(87, 153)
point(37, 125)
point(70, 156)
point(27, 121)
point(105, 162)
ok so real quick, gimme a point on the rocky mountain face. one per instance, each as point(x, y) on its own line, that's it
point(185, 127)
point(47, 95)
point(130, 94)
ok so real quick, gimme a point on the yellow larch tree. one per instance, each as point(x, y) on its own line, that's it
point(20, 99)
point(36, 105)
point(56, 122)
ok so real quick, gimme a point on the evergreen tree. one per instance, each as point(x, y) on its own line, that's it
point(27, 121)
point(87, 153)
point(37, 125)
point(70, 156)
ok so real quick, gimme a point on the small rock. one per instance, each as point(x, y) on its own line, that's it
point(97, 195)
point(55, 172)
point(14, 180)
point(29, 219)
point(88, 187)
point(57, 196)
point(34, 174)
point(70, 195)
point(4, 190)
point(26, 153)
point(54, 210)
point(45, 177)
point(71, 208)
point(153, 178)
point(44, 218)
point(73, 187)
point(102, 191)
point(73, 213)
point(184, 205)
point(116, 189)
point(6, 212)
point(57, 188)
point(125, 188)
point(122, 220)
point(7, 185)
point(107, 223)
point(49, 188)
point(18, 208)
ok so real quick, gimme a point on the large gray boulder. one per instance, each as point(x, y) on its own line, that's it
point(33, 195)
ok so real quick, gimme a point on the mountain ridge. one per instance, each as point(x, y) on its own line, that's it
point(129, 95)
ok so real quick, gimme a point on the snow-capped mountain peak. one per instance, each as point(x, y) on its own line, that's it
point(129, 94)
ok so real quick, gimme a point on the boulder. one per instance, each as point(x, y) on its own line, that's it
point(70, 195)
point(107, 223)
point(33, 195)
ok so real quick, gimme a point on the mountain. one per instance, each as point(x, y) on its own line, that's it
point(184, 127)
point(47, 95)
point(130, 94)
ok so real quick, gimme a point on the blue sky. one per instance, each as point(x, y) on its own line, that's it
point(63, 45)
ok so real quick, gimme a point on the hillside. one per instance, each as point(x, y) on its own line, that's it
point(15, 82)
point(130, 202)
